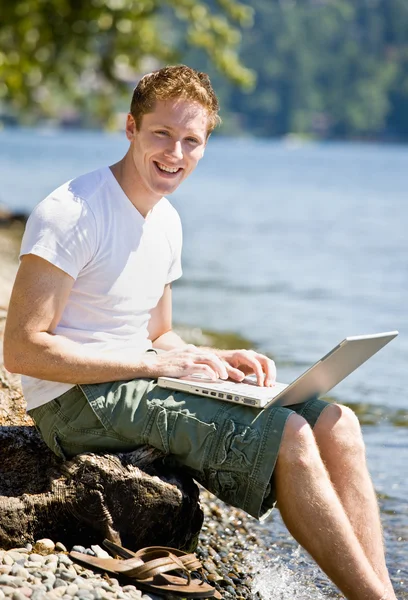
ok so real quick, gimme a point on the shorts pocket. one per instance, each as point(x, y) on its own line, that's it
point(76, 414)
point(180, 434)
point(238, 447)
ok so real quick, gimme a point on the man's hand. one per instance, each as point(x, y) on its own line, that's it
point(186, 361)
point(240, 363)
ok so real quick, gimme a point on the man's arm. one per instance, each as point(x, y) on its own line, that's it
point(237, 362)
point(160, 324)
point(39, 296)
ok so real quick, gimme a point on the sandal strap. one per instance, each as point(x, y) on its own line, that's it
point(155, 563)
point(189, 561)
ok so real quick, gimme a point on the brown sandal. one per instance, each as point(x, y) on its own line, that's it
point(150, 571)
point(189, 561)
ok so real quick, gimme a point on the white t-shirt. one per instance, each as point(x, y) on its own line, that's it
point(120, 262)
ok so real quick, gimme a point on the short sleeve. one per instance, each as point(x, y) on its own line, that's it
point(63, 232)
point(176, 237)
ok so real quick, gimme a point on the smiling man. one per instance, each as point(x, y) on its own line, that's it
point(90, 329)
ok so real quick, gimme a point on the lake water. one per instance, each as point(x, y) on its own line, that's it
point(292, 246)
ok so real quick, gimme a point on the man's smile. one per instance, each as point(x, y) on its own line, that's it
point(168, 170)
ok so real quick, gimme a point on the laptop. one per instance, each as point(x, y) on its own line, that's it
point(335, 366)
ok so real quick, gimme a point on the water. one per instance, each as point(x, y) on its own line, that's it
point(293, 247)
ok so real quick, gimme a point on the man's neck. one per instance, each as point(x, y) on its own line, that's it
point(126, 176)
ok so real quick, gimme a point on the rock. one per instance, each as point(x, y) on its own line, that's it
point(97, 550)
point(63, 559)
point(44, 546)
point(130, 498)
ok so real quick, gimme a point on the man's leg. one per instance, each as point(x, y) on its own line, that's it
point(341, 447)
point(314, 514)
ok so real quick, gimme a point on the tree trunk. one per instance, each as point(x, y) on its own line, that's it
point(129, 498)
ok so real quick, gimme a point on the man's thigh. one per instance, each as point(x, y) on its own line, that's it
point(228, 448)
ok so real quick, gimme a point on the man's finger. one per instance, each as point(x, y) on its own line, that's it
point(202, 370)
point(249, 358)
point(269, 369)
point(234, 374)
point(215, 363)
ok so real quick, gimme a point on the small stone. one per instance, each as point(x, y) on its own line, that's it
point(28, 547)
point(85, 594)
point(38, 595)
point(5, 569)
point(8, 560)
point(83, 585)
point(8, 590)
point(8, 580)
point(209, 566)
point(67, 575)
point(129, 588)
point(17, 557)
point(19, 571)
point(227, 580)
point(72, 589)
point(99, 552)
point(63, 559)
point(48, 576)
point(104, 585)
point(52, 558)
point(22, 593)
point(79, 549)
point(59, 547)
point(36, 558)
point(59, 591)
point(2, 596)
point(44, 546)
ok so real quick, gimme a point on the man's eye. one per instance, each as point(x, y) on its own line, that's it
point(162, 132)
point(192, 140)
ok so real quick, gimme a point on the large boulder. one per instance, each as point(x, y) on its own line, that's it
point(130, 498)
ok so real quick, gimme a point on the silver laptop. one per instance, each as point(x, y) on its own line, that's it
point(316, 381)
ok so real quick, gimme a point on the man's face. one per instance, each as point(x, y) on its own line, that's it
point(168, 145)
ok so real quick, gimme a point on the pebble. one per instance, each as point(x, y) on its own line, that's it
point(5, 569)
point(99, 552)
point(63, 559)
point(44, 546)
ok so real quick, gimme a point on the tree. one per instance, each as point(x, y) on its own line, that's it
point(334, 68)
point(52, 51)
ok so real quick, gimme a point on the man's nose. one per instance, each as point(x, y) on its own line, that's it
point(176, 149)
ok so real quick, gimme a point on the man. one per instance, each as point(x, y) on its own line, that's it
point(90, 329)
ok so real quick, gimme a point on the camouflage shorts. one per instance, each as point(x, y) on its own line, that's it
point(230, 449)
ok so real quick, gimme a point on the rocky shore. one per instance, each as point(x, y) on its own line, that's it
point(45, 571)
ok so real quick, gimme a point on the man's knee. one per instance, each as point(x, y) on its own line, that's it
point(339, 426)
point(298, 444)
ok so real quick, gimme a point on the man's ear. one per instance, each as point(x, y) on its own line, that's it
point(130, 127)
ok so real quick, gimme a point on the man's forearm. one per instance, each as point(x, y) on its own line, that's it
point(56, 358)
point(169, 341)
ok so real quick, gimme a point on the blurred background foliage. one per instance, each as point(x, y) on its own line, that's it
point(321, 68)
point(56, 52)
